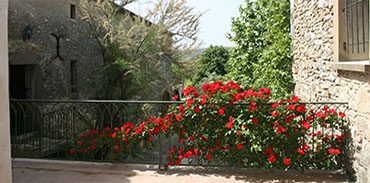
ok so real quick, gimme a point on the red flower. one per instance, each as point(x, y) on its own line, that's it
point(114, 135)
point(271, 159)
point(301, 108)
point(255, 121)
point(290, 107)
point(188, 154)
point(265, 91)
point(306, 125)
point(189, 102)
point(237, 96)
point(221, 111)
point(238, 133)
point(181, 140)
point(239, 146)
point(232, 85)
point(333, 151)
point(252, 106)
point(332, 111)
point(178, 117)
point(300, 151)
point(286, 161)
point(190, 89)
point(204, 99)
point(342, 115)
point(205, 87)
point(320, 115)
point(274, 114)
point(318, 133)
point(229, 125)
point(274, 105)
point(196, 109)
point(280, 129)
point(71, 151)
point(180, 157)
point(177, 162)
point(93, 147)
point(181, 109)
point(196, 151)
point(296, 99)
point(305, 147)
point(339, 137)
point(204, 138)
point(209, 156)
point(269, 150)
point(175, 97)
point(150, 139)
point(309, 118)
point(191, 138)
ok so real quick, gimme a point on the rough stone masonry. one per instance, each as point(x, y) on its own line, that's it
point(317, 79)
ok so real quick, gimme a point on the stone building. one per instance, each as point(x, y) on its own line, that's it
point(53, 53)
point(51, 50)
point(331, 63)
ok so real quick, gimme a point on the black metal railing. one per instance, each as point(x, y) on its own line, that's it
point(48, 128)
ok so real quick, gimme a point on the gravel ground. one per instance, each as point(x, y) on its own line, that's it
point(40, 171)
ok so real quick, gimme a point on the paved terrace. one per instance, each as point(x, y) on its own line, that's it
point(40, 171)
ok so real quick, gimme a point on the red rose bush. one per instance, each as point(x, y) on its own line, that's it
point(223, 124)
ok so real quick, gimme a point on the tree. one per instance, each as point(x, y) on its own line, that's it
point(262, 56)
point(137, 51)
point(211, 63)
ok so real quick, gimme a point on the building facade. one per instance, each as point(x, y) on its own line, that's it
point(53, 54)
point(331, 64)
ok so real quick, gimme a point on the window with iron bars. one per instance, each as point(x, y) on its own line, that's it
point(353, 29)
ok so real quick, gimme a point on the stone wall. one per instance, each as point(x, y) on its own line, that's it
point(5, 168)
point(317, 79)
point(52, 74)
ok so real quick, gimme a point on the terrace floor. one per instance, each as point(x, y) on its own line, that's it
point(40, 171)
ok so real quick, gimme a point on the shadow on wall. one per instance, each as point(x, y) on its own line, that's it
point(356, 76)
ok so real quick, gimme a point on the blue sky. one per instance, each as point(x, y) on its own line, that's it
point(215, 23)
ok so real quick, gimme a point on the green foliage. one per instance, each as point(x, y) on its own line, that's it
point(132, 49)
point(211, 63)
point(138, 52)
point(262, 56)
point(223, 124)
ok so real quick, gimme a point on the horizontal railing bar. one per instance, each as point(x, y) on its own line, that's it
point(144, 101)
point(98, 101)
point(345, 103)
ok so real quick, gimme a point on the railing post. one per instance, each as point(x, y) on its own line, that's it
point(41, 131)
point(160, 152)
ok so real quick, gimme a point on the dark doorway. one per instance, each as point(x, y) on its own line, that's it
point(20, 87)
point(17, 81)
